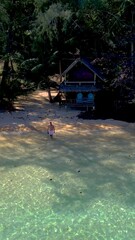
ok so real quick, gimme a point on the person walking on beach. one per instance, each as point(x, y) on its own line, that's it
point(51, 130)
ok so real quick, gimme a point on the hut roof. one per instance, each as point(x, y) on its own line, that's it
point(86, 63)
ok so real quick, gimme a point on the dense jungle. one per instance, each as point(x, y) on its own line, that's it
point(40, 38)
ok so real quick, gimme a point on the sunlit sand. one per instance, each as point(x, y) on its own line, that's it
point(77, 186)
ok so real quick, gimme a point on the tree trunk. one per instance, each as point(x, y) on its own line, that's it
point(5, 71)
point(3, 84)
point(49, 95)
point(8, 51)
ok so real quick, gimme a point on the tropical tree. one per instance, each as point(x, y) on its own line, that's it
point(15, 40)
point(51, 32)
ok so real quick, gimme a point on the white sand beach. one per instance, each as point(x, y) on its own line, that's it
point(80, 185)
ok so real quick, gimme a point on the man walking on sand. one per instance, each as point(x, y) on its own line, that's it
point(51, 130)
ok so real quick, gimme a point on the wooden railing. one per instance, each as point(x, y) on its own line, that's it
point(85, 101)
point(79, 82)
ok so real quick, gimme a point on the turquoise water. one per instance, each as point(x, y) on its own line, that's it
point(65, 189)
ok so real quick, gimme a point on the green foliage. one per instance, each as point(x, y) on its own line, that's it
point(37, 68)
point(4, 20)
point(36, 35)
point(55, 16)
point(104, 18)
point(29, 63)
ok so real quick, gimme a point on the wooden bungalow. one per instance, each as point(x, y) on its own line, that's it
point(81, 83)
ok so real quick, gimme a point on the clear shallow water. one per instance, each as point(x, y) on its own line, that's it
point(67, 188)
